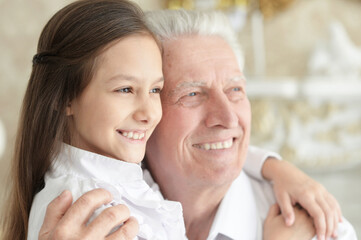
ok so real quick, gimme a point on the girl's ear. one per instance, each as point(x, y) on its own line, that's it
point(69, 110)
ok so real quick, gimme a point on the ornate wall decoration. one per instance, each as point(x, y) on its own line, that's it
point(271, 7)
point(315, 135)
point(206, 4)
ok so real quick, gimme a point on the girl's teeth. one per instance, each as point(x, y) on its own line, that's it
point(133, 135)
point(136, 136)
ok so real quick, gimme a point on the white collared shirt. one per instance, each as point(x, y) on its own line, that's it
point(244, 208)
point(81, 171)
point(237, 215)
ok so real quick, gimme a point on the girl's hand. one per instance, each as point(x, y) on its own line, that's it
point(292, 186)
point(276, 229)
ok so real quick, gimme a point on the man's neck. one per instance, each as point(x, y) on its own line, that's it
point(199, 211)
point(200, 202)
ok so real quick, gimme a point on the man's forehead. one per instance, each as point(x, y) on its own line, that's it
point(202, 83)
point(196, 83)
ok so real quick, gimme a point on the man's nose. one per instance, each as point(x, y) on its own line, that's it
point(221, 112)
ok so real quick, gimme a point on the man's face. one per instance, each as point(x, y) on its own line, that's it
point(204, 133)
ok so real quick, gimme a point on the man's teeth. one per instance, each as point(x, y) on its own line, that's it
point(216, 145)
point(133, 135)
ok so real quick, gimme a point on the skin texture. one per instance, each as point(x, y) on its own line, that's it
point(275, 228)
point(123, 95)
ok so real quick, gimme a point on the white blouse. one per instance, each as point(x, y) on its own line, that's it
point(81, 171)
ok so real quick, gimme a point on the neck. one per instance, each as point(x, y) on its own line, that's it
point(199, 209)
point(199, 201)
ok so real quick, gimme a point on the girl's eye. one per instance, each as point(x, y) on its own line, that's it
point(156, 90)
point(124, 90)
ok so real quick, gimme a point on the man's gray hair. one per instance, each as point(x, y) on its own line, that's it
point(171, 24)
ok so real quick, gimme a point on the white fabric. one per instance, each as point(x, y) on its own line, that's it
point(244, 209)
point(237, 215)
point(255, 159)
point(80, 171)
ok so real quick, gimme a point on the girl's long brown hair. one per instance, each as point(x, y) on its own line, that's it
point(64, 64)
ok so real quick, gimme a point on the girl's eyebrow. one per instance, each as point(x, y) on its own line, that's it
point(126, 77)
point(122, 77)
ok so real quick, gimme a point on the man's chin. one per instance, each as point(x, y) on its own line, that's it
point(223, 174)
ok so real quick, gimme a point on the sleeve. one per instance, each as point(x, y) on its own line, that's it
point(345, 231)
point(255, 159)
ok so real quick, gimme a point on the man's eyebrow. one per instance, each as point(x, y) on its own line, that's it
point(239, 78)
point(129, 78)
point(184, 85)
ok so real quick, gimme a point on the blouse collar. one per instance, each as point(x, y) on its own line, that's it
point(72, 160)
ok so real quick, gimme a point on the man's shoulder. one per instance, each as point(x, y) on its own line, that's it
point(264, 197)
point(263, 193)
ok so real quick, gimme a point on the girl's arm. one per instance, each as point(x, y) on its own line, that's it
point(292, 186)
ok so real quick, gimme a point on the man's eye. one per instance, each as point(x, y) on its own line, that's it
point(124, 90)
point(156, 90)
point(191, 99)
point(235, 93)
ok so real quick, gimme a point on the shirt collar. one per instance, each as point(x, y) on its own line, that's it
point(237, 215)
point(72, 160)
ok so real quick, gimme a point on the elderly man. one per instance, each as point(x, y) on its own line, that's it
point(197, 152)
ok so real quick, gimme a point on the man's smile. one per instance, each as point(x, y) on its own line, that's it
point(215, 145)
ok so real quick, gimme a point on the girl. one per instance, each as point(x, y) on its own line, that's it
point(92, 100)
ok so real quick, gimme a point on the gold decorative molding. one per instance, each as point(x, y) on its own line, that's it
point(271, 7)
point(216, 5)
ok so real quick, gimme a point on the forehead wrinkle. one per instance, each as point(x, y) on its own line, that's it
point(184, 85)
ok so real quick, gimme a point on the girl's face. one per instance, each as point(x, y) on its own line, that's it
point(119, 109)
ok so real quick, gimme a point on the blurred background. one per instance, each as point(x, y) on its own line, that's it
point(302, 62)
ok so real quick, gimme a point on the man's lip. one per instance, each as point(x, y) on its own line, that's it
point(216, 145)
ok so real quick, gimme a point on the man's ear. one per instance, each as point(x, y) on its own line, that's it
point(69, 110)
